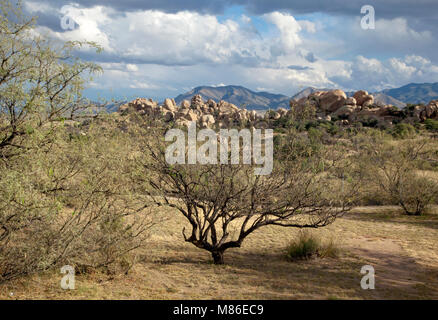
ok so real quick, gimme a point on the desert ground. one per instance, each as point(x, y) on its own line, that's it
point(402, 250)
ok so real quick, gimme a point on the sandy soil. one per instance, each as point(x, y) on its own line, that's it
point(401, 249)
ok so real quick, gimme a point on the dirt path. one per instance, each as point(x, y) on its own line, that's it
point(394, 268)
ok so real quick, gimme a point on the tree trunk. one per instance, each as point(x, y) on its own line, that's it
point(418, 210)
point(218, 257)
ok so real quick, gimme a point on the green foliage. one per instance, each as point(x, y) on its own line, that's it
point(370, 122)
point(431, 125)
point(302, 113)
point(294, 147)
point(61, 205)
point(65, 192)
point(283, 123)
point(403, 130)
point(326, 126)
point(417, 193)
point(392, 174)
point(330, 127)
point(40, 82)
point(305, 247)
point(308, 246)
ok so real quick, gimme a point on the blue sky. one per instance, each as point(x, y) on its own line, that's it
point(163, 48)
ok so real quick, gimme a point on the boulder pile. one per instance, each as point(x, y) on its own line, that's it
point(329, 105)
point(206, 113)
point(427, 112)
point(360, 107)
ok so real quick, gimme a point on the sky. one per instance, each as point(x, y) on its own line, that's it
point(161, 48)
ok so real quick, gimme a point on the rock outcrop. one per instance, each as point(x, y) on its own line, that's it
point(331, 101)
point(363, 98)
point(206, 114)
point(430, 111)
point(359, 108)
point(329, 106)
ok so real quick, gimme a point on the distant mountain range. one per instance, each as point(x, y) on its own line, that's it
point(306, 92)
point(239, 96)
point(414, 92)
point(384, 99)
point(245, 98)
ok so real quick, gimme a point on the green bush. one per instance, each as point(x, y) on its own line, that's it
point(305, 247)
point(308, 246)
point(431, 125)
point(371, 122)
point(65, 192)
point(330, 127)
point(391, 173)
point(403, 130)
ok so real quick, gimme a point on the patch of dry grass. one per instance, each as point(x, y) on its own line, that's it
point(402, 249)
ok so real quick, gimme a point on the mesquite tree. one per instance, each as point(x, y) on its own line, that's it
point(63, 192)
point(225, 203)
point(41, 82)
point(393, 170)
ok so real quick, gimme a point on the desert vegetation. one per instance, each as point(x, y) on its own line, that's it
point(301, 192)
point(63, 195)
point(83, 187)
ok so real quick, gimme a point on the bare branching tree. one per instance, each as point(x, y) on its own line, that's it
point(224, 204)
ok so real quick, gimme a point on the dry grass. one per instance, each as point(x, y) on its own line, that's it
point(402, 249)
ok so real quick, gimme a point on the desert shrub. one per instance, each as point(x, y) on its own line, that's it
point(330, 249)
point(395, 111)
point(69, 203)
point(330, 127)
point(396, 121)
point(283, 123)
point(302, 113)
point(315, 133)
point(321, 126)
point(225, 203)
point(308, 145)
point(307, 246)
point(101, 193)
point(391, 170)
point(416, 192)
point(431, 125)
point(370, 122)
point(41, 83)
point(64, 194)
point(411, 106)
point(311, 124)
point(403, 130)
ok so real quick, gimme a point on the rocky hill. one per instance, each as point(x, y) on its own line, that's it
point(239, 96)
point(306, 92)
point(245, 98)
point(414, 92)
point(384, 99)
point(332, 105)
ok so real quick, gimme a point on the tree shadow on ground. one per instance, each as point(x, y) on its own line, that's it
point(397, 277)
point(427, 220)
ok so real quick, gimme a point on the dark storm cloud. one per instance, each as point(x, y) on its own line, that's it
point(311, 57)
point(49, 20)
point(299, 68)
point(384, 8)
point(203, 6)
